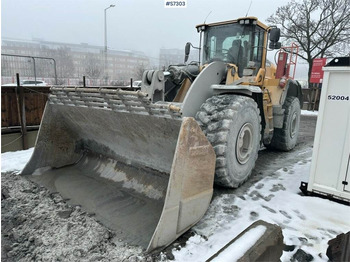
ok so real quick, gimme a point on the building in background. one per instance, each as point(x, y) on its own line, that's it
point(73, 61)
point(175, 56)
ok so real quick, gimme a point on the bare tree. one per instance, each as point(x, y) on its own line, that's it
point(140, 68)
point(320, 27)
point(139, 71)
point(44, 67)
point(64, 60)
point(92, 65)
point(5, 66)
point(65, 65)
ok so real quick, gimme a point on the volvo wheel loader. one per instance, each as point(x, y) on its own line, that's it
point(144, 162)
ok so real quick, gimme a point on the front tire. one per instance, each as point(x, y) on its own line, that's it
point(232, 125)
point(285, 138)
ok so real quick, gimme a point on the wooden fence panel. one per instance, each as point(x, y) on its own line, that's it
point(9, 108)
point(35, 98)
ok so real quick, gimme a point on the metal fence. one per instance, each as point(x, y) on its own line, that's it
point(22, 108)
point(28, 66)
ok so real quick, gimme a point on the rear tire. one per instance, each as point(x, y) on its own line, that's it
point(285, 138)
point(232, 125)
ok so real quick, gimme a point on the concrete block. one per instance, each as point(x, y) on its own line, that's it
point(261, 241)
point(339, 248)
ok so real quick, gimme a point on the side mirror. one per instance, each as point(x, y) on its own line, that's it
point(275, 45)
point(187, 50)
point(275, 34)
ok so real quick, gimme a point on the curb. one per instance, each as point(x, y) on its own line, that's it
point(268, 246)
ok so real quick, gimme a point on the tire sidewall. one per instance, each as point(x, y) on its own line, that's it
point(246, 114)
point(293, 110)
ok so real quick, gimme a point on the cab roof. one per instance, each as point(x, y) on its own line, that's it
point(265, 27)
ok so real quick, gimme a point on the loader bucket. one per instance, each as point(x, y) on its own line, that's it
point(142, 169)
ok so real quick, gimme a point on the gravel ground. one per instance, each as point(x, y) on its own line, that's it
point(40, 226)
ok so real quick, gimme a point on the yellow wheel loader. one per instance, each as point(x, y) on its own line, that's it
point(144, 162)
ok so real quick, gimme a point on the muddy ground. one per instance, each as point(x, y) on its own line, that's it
point(37, 225)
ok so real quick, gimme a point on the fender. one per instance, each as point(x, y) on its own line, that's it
point(236, 89)
point(293, 88)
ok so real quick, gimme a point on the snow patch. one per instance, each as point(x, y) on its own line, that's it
point(15, 161)
point(309, 113)
point(306, 222)
point(238, 248)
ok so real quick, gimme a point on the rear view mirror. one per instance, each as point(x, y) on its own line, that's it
point(273, 45)
point(275, 34)
point(187, 50)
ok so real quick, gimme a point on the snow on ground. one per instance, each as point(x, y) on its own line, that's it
point(239, 247)
point(307, 222)
point(15, 161)
point(309, 113)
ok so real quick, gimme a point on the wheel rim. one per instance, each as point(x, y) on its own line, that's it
point(293, 125)
point(244, 144)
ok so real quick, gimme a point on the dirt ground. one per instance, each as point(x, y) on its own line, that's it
point(37, 225)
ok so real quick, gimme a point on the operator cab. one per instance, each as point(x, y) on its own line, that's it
point(237, 42)
point(240, 42)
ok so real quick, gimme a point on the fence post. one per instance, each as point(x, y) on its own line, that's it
point(22, 112)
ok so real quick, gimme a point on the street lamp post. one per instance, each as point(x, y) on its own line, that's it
point(105, 64)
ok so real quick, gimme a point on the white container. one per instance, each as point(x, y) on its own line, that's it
point(330, 173)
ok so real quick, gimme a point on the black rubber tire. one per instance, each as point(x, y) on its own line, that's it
point(285, 138)
point(222, 118)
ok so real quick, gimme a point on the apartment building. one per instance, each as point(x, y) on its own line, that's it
point(73, 61)
point(173, 56)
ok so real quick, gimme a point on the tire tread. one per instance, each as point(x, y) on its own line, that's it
point(215, 117)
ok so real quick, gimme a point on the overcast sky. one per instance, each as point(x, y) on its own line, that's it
point(142, 25)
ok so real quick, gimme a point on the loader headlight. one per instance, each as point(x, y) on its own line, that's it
point(247, 22)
